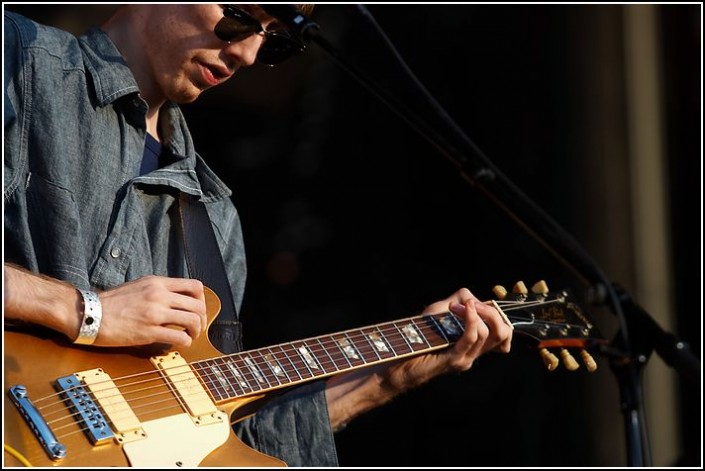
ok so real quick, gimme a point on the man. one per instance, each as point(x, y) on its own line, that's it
point(96, 156)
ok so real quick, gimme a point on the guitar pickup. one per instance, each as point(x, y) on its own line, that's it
point(187, 388)
point(92, 391)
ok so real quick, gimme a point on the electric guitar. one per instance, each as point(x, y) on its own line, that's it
point(71, 405)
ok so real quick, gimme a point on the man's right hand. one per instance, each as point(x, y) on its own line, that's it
point(152, 309)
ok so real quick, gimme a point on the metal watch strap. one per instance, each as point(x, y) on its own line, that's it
point(92, 317)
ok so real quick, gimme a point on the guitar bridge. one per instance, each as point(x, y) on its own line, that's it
point(19, 396)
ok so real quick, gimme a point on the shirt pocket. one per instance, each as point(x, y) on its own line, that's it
point(55, 231)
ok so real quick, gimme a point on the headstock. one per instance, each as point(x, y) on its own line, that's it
point(553, 320)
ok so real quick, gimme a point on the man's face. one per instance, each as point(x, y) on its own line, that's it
point(184, 55)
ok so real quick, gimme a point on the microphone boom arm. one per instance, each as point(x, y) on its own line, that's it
point(482, 174)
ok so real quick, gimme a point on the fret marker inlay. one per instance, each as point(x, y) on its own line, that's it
point(255, 369)
point(347, 348)
point(307, 356)
point(378, 342)
point(221, 378)
point(412, 334)
point(450, 325)
point(238, 377)
point(274, 365)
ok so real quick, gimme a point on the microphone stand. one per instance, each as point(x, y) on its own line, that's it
point(638, 336)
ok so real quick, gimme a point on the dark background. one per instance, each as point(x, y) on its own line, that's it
point(352, 218)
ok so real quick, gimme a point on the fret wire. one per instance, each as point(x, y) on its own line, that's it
point(261, 368)
point(280, 365)
point(238, 375)
point(314, 357)
point(239, 369)
point(330, 343)
point(358, 349)
point(394, 352)
point(299, 360)
point(343, 353)
point(198, 372)
point(439, 327)
point(391, 336)
point(205, 376)
point(329, 356)
point(460, 325)
point(419, 329)
point(255, 369)
point(303, 360)
point(224, 372)
point(210, 379)
point(350, 343)
point(214, 380)
point(296, 370)
point(232, 379)
point(430, 322)
point(431, 329)
point(403, 336)
point(372, 347)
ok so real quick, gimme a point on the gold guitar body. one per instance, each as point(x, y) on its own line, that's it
point(167, 438)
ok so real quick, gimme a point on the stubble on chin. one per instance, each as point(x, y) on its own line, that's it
point(185, 88)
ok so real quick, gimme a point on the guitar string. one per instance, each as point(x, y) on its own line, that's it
point(259, 364)
point(202, 371)
point(251, 376)
point(209, 376)
point(522, 305)
point(204, 374)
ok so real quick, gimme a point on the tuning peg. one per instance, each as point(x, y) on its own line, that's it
point(568, 360)
point(500, 291)
point(540, 287)
point(520, 288)
point(549, 359)
point(590, 363)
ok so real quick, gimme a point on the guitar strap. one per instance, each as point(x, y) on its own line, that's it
point(205, 263)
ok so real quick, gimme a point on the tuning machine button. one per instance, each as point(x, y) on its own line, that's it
point(568, 360)
point(520, 288)
point(540, 287)
point(500, 291)
point(589, 361)
point(550, 360)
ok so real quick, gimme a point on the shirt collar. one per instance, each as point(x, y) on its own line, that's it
point(113, 79)
point(111, 76)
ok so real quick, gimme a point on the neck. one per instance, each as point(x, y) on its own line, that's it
point(126, 29)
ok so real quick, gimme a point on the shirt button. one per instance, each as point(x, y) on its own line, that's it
point(115, 252)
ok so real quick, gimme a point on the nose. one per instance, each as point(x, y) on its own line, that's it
point(245, 51)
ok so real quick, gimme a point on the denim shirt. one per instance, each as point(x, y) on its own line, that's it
point(76, 208)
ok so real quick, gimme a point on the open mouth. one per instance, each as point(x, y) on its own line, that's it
point(213, 75)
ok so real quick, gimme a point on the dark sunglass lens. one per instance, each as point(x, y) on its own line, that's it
point(241, 16)
point(230, 29)
point(236, 24)
point(277, 48)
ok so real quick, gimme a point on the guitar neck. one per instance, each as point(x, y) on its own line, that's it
point(265, 369)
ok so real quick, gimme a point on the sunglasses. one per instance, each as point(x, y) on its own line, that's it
point(237, 25)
